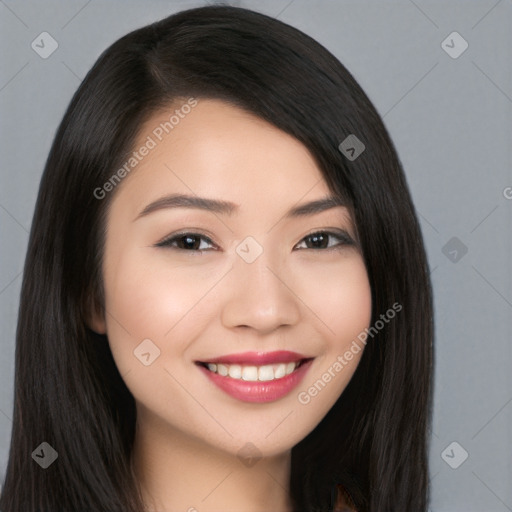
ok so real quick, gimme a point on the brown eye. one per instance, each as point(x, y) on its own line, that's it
point(321, 240)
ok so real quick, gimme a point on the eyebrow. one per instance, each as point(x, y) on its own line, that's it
point(228, 208)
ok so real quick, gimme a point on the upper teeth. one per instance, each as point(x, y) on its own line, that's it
point(254, 373)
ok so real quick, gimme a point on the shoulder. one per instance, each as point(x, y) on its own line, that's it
point(343, 502)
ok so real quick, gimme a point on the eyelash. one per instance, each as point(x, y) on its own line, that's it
point(344, 238)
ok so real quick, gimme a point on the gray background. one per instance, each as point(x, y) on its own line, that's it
point(450, 119)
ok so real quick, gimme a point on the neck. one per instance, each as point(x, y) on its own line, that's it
point(181, 473)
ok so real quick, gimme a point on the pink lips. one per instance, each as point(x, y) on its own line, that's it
point(259, 391)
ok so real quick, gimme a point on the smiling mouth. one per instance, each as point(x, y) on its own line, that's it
point(253, 373)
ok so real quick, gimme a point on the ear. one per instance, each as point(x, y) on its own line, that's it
point(95, 315)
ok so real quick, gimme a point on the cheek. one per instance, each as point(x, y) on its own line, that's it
point(153, 296)
point(150, 310)
point(351, 306)
point(142, 301)
point(342, 300)
point(339, 295)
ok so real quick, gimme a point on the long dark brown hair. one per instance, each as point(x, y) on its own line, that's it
point(68, 391)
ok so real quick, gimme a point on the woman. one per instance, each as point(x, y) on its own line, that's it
point(188, 336)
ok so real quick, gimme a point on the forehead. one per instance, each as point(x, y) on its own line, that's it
point(215, 144)
point(214, 133)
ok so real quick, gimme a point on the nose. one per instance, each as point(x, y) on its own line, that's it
point(260, 295)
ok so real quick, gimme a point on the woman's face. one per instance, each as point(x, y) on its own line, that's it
point(186, 285)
